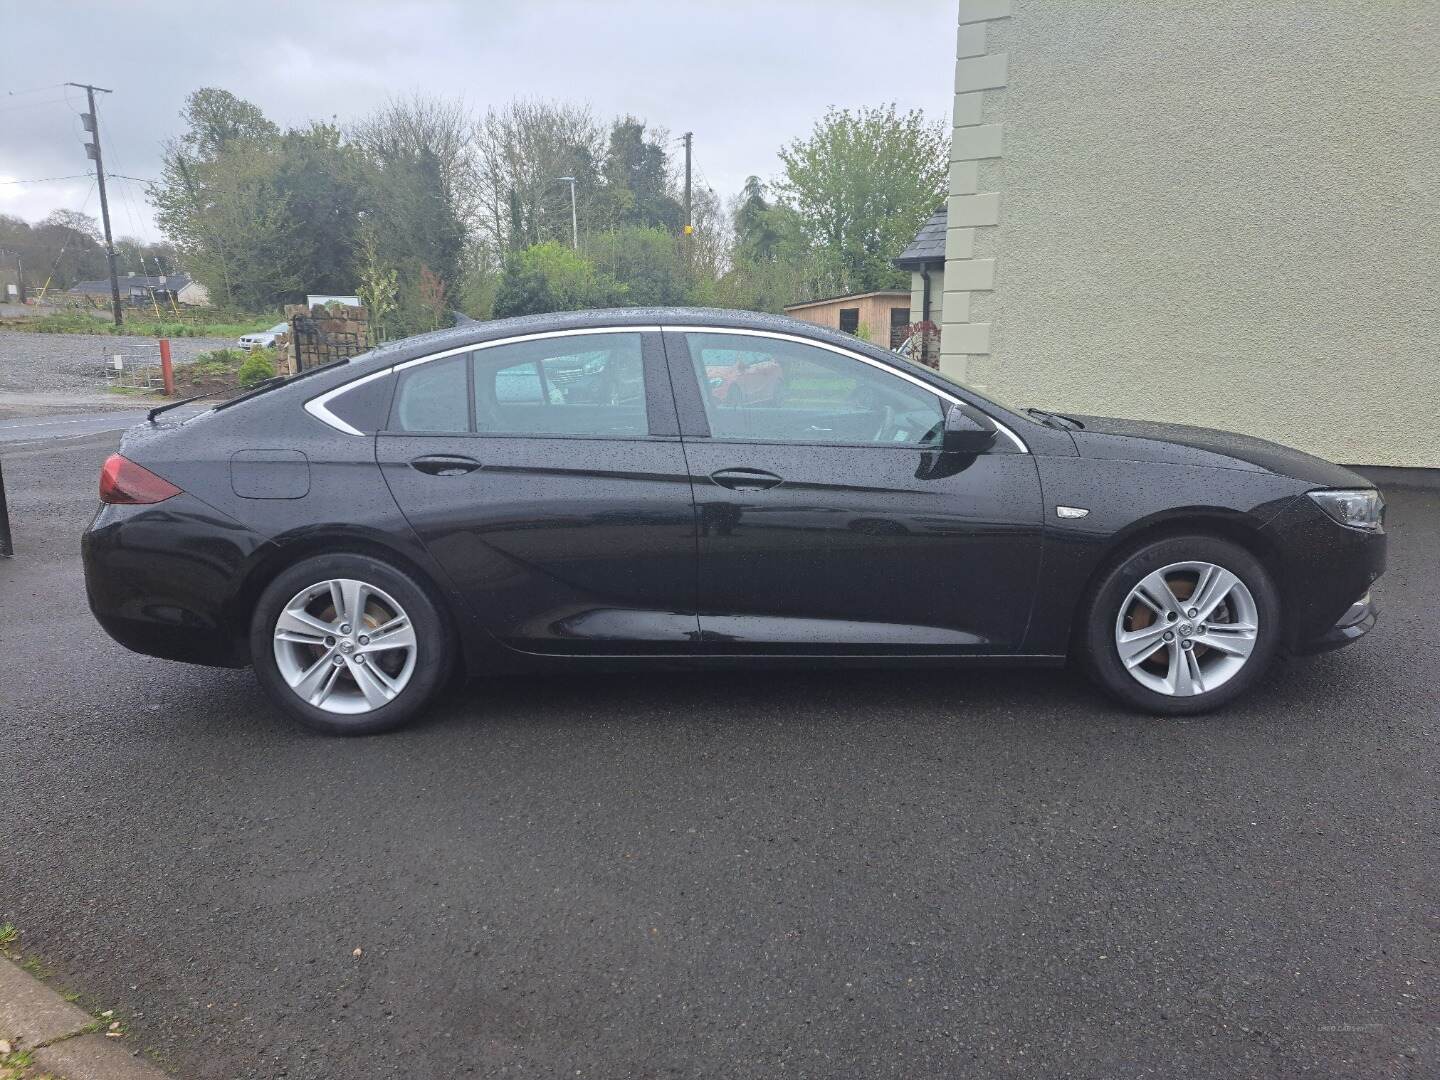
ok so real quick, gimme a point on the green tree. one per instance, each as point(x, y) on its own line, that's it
point(646, 261)
point(419, 186)
point(552, 277)
point(757, 237)
point(379, 287)
point(216, 118)
point(636, 180)
point(861, 184)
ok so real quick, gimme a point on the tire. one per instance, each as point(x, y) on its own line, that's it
point(1126, 610)
point(378, 684)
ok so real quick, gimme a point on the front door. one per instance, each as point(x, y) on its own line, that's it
point(829, 521)
point(547, 477)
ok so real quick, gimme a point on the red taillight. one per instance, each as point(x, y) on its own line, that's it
point(122, 481)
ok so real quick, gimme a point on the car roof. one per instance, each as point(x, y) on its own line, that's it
point(719, 318)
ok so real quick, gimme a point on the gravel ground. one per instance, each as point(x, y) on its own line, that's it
point(867, 874)
point(71, 363)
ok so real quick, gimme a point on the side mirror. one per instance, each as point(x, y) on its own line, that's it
point(967, 431)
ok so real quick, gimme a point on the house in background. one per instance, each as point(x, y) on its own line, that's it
point(883, 314)
point(924, 260)
point(143, 289)
point(1215, 214)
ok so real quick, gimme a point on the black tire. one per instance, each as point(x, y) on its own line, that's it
point(1098, 631)
point(434, 648)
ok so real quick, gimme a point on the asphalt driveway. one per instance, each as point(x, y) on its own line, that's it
point(862, 874)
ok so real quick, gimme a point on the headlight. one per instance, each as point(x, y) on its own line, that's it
point(1363, 509)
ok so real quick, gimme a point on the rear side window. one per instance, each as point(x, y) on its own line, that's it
point(432, 398)
point(588, 384)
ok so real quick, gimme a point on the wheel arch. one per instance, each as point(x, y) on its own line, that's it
point(1233, 525)
point(284, 552)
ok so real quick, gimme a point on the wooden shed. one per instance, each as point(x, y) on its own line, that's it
point(877, 316)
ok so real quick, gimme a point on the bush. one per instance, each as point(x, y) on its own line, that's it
point(258, 366)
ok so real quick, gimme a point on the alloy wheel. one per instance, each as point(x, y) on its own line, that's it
point(345, 646)
point(1186, 628)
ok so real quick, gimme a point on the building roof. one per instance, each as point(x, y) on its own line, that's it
point(928, 245)
point(169, 283)
point(846, 296)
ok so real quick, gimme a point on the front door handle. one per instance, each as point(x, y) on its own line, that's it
point(445, 464)
point(746, 479)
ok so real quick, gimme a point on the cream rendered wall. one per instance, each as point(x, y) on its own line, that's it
point(917, 296)
point(1221, 213)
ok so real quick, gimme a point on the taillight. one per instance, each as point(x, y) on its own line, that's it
point(122, 481)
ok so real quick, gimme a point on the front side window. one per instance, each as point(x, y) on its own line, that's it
point(772, 390)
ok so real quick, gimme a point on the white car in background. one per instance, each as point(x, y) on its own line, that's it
point(263, 339)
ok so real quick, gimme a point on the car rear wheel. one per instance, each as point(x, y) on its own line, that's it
point(1183, 625)
point(348, 644)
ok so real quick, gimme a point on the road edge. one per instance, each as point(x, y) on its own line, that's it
point(56, 1038)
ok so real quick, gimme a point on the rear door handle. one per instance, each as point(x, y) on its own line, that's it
point(445, 464)
point(746, 479)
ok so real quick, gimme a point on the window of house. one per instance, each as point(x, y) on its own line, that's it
point(850, 319)
point(899, 323)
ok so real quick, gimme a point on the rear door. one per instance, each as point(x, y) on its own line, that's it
point(829, 520)
point(546, 475)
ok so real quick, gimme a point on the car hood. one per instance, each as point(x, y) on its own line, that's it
point(1180, 444)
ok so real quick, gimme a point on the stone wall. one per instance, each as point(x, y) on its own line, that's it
point(320, 335)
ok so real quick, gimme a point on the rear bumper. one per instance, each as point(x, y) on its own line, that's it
point(163, 579)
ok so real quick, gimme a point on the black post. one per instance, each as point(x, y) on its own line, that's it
point(7, 542)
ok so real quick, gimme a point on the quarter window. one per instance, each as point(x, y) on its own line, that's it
point(772, 390)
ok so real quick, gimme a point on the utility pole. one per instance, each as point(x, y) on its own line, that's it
point(91, 120)
point(689, 138)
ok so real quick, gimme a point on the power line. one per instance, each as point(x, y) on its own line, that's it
point(46, 179)
point(34, 89)
point(32, 104)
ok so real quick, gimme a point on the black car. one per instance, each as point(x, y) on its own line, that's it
point(585, 489)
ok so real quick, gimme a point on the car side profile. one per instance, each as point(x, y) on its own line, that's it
point(263, 339)
point(698, 487)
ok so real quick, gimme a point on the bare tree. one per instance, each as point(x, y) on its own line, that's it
point(404, 129)
point(520, 150)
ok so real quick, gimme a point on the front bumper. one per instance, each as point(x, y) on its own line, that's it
point(1358, 620)
point(1323, 567)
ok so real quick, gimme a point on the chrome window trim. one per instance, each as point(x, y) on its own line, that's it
point(944, 395)
point(316, 406)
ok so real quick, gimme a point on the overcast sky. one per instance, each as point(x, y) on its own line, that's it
point(746, 77)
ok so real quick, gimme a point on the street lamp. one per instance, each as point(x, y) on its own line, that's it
point(574, 220)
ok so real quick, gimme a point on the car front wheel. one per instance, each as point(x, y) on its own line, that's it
point(1183, 625)
point(348, 645)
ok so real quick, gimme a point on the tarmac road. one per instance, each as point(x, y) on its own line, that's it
point(866, 874)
